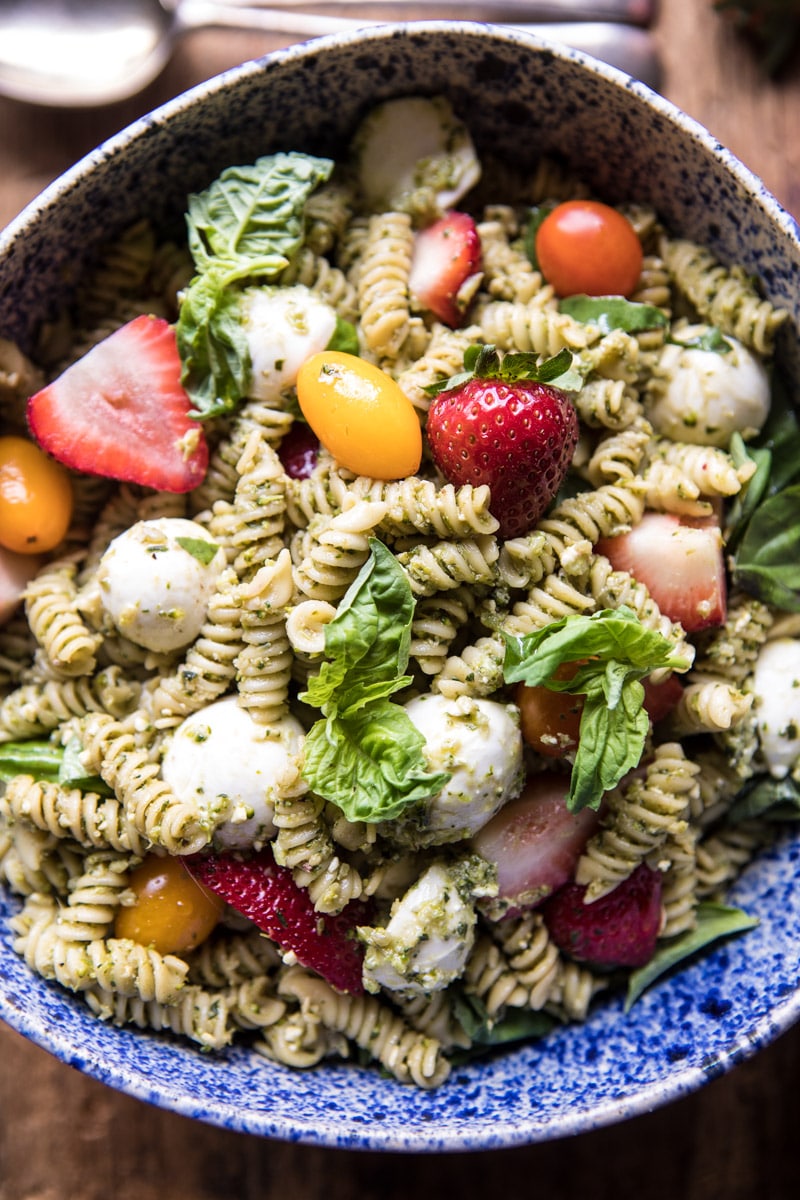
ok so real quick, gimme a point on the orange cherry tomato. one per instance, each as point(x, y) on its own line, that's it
point(172, 911)
point(360, 414)
point(35, 498)
point(585, 247)
point(550, 721)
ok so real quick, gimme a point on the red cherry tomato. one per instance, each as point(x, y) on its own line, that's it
point(585, 247)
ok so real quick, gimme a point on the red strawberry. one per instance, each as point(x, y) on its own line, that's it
point(445, 262)
point(519, 437)
point(268, 896)
point(661, 698)
point(681, 564)
point(535, 841)
point(299, 450)
point(121, 411)
point(618, 930)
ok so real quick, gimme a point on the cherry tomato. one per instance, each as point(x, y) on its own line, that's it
point(585, 247)
point(172, 911)
point(549, 721)
point(360, 414)
point(35, 498)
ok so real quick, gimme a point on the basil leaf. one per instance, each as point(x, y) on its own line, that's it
point(751, 495)
point(370, 763)
point(515, 1025)
point(765, 796)
point(781, 436)
point(205, 552)
point(610, 744)
point(344, 338)
point(39, 759)
point(711, 339)
point(72, 772)
point(613, 312)
point(212, 345)
point(714, 921)
point(251, 217)
point(767, 561)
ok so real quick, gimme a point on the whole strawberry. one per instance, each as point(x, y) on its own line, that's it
point(502, 423)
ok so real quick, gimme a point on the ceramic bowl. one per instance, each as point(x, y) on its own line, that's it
point(520, 97)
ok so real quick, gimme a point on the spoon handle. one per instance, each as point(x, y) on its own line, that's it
point(634, 12)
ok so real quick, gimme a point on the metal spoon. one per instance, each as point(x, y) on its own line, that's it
point(85, 53)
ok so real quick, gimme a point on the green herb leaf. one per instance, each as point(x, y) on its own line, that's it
point(514, 1026)
point(40, 759)
point(615, 651)
point(366, 756)
point(344, 338)
point(613, 312)
point(765, 796)
point(212, 345)
point(370, 763)
point(767, 561)
point(710, 339)
point(751, 495)
point(72, 772)
point(714, 921)
point(205, 552)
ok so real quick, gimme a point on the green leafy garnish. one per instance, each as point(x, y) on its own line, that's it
point(485, 362)
point(366, 755)
point(72, 772)
point(515, 1025)
point(205, 552)
point(344, 338)
point(613, 312)
point(614, 652)
point(243, 229)
point(714, 921)
point(535, 217)
point(767, 797)
point(711, 339)
point(40, 759)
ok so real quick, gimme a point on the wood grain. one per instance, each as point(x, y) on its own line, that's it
point(65, 1137)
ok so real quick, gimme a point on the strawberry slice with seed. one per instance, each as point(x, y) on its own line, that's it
point(618, 930)
point(267, 895)
point(446, 267)
point(121, 411)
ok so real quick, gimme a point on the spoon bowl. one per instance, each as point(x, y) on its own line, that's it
point(63, 54)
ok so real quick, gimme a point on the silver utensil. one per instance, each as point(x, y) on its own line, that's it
point(89, 53)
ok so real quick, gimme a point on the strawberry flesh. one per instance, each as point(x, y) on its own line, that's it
point(121, 411)
point(268, 896)
point(618, 930)
point(519, 438)
point(299, 451)
point(680, 561)
point(446, 257)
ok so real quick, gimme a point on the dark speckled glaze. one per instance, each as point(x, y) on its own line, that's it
point(520, 97)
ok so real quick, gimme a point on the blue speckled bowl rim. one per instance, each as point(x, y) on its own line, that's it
point(781, 1006)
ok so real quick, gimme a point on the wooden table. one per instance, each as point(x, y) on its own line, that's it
point(66, 1137)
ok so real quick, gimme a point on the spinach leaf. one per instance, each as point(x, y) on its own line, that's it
point(767, 560)
point(613, 312)
point(40, 759)
point(765, 796)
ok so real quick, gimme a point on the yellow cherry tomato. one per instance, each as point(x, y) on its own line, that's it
point(360, 414)
point(35, 498)
point(172, 911)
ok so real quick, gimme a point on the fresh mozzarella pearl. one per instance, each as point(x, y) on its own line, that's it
point(221, 760)
point(283, 327)
point(428, 939)
point(479, 743)
point(706, 396)
point(155, 590)
point(776, 684)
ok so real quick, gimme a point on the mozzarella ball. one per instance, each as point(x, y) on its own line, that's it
point(479, 743)
point(776, 685)
point(705, 397)
point(156, 580)
point(221, 760)
point(428, 939)
point(283, 327)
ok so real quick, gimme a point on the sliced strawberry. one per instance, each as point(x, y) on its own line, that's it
point(517, 437)
point(120, 411)
point(618, 930)
point(299, 451)
point(661, 698)
point(445, 263)
point(267, 895)
point(535, 841)
point(681, 564)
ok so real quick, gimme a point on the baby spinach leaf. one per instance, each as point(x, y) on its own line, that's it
point(613, 312)
point(614, 651)
point(765, 796)
point(714, 921)
point(40, 759)
point(515, 1025)
point(767, 561)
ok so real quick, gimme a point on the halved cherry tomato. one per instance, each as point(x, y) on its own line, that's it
point(586, 247)
point(172, 911)
point(360, 414)
point(35, 498)
point(550, 721)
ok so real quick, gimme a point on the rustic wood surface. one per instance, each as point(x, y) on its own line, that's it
point(66, 1137)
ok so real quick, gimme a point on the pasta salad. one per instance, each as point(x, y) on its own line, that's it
point(400, 641)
